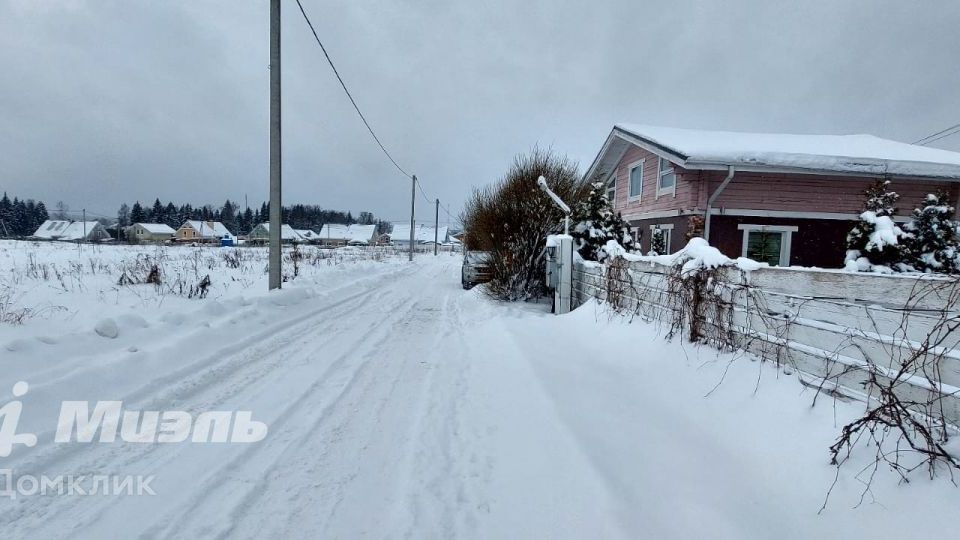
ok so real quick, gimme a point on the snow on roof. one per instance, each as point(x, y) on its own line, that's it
point(306, 234)
point(347, 233)
point(286, 231)
point(865, 154)
point(362, 233)
point(423, 233)
point(209, 229)
point(335, 231)
point(65, 230)
point(157, 228)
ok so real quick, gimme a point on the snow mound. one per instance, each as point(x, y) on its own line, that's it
point(132, 320)
point(288, 297)
point(214, 308)
point(107, 328)
point(696, 255)
point(174, 318)
point(18, 345)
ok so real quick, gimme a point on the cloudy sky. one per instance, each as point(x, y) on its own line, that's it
point(105, 101)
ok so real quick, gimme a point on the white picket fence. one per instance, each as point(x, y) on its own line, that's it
point(832, 326)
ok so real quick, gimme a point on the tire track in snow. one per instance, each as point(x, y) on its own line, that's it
point(219, 374)
point(298, 423)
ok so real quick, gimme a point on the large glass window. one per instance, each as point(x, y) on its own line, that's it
point(636, 180)
point(768, 243)
point(764, 246)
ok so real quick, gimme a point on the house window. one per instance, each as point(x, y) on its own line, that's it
point(767, 243)
point(666, 232)
point(612, 189)
point(636, 180)
point(666, 179)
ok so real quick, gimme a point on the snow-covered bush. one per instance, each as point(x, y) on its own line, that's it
point(512, 218)
point(876, 243)
point(596, 223)
point(932, 244)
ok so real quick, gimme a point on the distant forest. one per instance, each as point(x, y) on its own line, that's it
point(21, 217)
point(238, 221)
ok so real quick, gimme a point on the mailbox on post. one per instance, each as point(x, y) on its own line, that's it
point(559, 255)
point(559, 268)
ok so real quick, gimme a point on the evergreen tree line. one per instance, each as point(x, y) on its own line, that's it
point(926, 243)
point(20, 217)
point(238, 221)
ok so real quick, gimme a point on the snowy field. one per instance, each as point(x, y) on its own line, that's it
point(401, 406)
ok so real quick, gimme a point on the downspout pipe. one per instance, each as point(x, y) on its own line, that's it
point(713, 198)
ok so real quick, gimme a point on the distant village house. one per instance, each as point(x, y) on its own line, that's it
point(335, 234)
point(149, 233)
point(71, 231)
point(205, 231)
point(261, 234)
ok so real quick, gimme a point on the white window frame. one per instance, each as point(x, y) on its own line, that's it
point(667, 229)
point(786, 241)
point(672, 190)
point(611, 185)
point(639, 163)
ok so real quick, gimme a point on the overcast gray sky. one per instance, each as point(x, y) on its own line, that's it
point(105, 101)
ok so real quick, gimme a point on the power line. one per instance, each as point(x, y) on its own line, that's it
point(349, 95)
point(944, 136)
point(356, 107)
point(930, 138)
point(428, 199)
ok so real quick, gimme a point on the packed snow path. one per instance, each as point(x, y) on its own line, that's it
point(401, 406)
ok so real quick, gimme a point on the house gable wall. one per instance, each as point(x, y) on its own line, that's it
point(685, 196)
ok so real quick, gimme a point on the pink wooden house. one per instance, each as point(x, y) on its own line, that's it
point(783, 199)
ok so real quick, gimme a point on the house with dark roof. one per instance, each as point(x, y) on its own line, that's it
point(777, 198)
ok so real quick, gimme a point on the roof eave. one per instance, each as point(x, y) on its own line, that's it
point(632, 138)
point(740, 167)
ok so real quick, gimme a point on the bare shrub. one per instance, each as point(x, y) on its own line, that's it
point(512, 218)
point(201, 289)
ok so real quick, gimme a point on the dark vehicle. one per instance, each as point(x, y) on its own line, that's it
point(476, 268)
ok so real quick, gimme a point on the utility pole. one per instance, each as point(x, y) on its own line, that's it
point(436, 228)
point(275, 254)
point(413, 207)
point(84, 239)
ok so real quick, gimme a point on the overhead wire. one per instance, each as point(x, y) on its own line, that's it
point(356, 107)
point(953, 130)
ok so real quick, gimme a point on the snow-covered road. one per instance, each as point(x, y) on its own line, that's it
point(401, 406)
